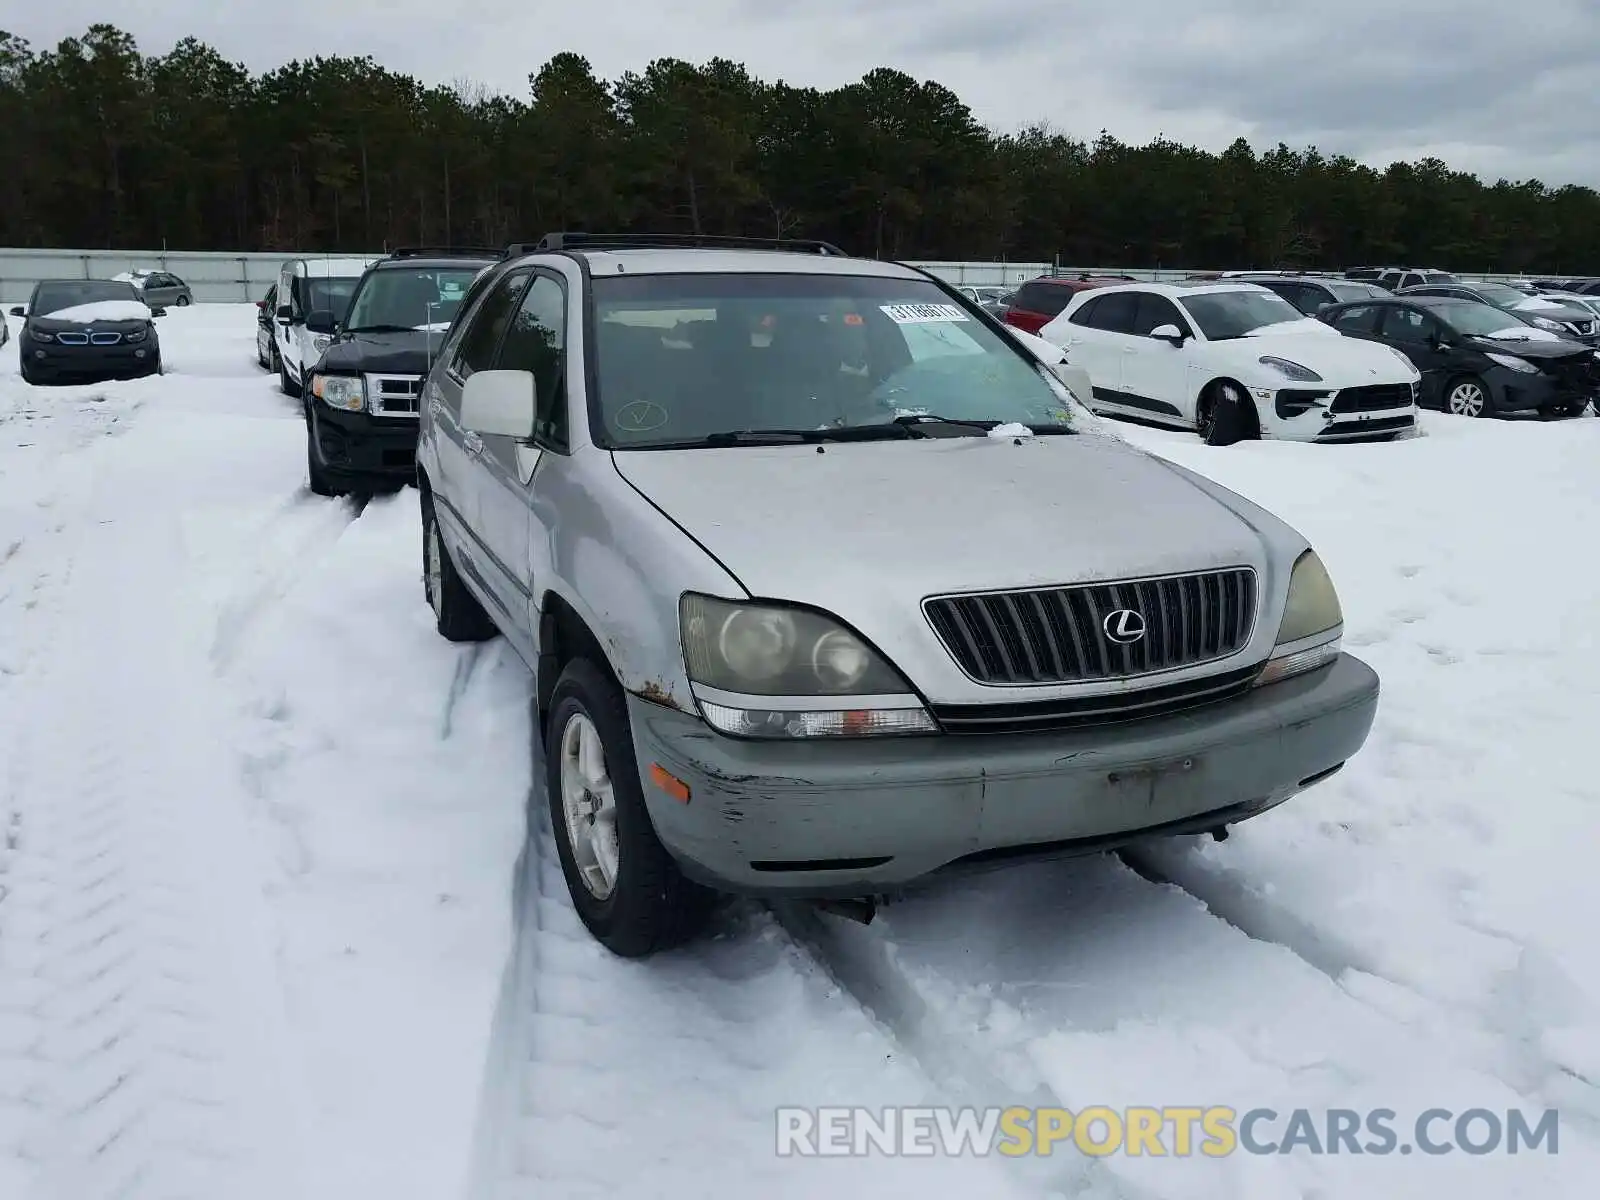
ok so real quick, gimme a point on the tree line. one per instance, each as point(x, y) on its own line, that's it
point(106, 147)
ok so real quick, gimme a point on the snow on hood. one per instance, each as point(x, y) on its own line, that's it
point(1302, 325)
point(100, 310)
point(1523, 333)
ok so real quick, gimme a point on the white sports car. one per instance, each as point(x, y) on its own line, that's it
point(1233, 361)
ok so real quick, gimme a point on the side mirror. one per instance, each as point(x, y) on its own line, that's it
point(18, 311)
point(1169, 333)
point(158, 312)
point(321, 320)
point(500, 403)
point(285, 314)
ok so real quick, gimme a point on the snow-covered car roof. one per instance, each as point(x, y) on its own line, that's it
point(336, 268)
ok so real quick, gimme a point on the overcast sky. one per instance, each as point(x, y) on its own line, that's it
point(1491, 86)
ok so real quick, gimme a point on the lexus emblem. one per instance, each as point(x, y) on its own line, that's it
point(1124, 626)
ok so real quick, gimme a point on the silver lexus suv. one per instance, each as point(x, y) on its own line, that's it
point(830, 583)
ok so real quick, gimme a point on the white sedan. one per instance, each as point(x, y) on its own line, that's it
point(1233, 361)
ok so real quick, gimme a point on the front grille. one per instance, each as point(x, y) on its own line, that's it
point(1371, 399)
point(1060, 635)
point(73, 339)
point(1577, 371)
point(394, 395)
point(105, 339)
point(1053, 716)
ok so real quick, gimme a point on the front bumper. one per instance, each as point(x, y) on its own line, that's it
point(860, 817)
point(1518, 391)
point(350, 444)
point(55, 362)
point(1367, 413)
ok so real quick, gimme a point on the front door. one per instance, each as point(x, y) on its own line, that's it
point(1418, 335)
point(535, 342)
point(1155, 371)
point(464, 455)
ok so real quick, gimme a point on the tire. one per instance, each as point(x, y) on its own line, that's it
point(1223, 419)
point(646, 905)
point(456, 611)
point(288, 386)
point(318, 477)
point(183, 302)
point(1458, 397)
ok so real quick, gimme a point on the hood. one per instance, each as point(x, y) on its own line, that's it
point(1341, 361)
point(403, 352)
point(1546, 347)
point(952, 515)
point(99, 311)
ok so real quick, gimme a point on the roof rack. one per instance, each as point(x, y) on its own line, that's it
point(666, 241)
point(444, 252)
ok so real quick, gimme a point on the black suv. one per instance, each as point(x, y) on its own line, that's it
point(363, 395)
point(1476, 361)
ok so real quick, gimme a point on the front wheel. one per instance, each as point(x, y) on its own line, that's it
point(626, 888)
point(183, 302)
point(1467, 397)
point(1224, 416)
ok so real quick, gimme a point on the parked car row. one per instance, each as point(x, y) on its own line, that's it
point(648, 464)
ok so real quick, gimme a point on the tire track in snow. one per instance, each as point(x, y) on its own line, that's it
point(1082, 983)
point(296, 535)
point(1507, 1042)
point(660, 1078)
point(135, 1023)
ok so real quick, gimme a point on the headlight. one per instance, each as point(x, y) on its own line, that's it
point(348, 392)
point(1547, 323)
point(321, 342)
point(1313, 623)
point(765, 670)
point(1410, 366)
point(1512, 361)
point(138, 335)
point(40, 335)
point(1290, 370)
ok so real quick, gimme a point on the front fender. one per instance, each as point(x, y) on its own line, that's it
point(621, 566)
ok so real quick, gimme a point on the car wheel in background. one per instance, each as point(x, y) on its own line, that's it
point(459, 616)
point(1466, 396)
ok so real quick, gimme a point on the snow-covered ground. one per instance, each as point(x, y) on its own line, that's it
point(267, 927)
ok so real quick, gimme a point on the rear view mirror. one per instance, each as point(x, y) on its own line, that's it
point(500, 403)
point(321, 320)
point(1168, 333)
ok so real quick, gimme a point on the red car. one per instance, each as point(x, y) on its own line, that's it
point(1041, 300)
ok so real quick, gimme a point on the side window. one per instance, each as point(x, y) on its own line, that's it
point(1153, 312)
point(481, 337)
point(1356, 320)
point(1407, 325)
point(1085, 316)
point(1116, 313)
point(536, 342)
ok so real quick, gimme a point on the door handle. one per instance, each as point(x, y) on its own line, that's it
point(473, 443)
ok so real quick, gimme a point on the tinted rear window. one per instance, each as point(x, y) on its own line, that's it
point(1045, 298)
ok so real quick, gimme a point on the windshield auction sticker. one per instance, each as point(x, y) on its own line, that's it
point(922, 314)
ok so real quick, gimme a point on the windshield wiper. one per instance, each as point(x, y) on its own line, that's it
point(383, 329)
point(986, 425)
point(781, 437)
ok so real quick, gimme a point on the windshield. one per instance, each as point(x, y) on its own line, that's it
point(1223, 316)
point(1479, 320)
point(1345, 292)
point(332, 294)
point(410, 298)
point(1499, 293)
point(685, 357)
point(53, 297)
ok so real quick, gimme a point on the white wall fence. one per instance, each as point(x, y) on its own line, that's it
point(219, 278)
